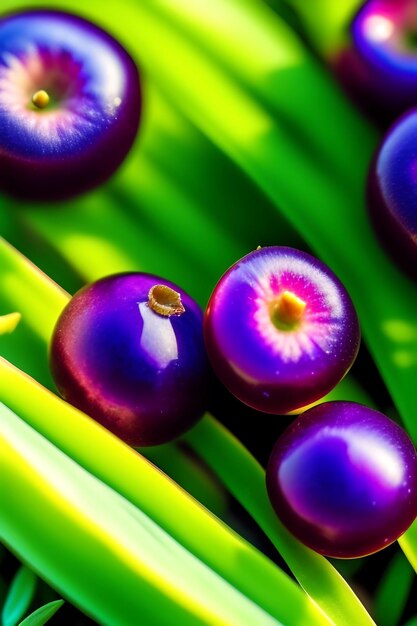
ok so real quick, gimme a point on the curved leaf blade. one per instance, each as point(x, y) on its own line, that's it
point(43, 614)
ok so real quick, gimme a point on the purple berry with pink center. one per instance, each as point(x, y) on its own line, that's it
point(343, 479)
point(392, 193)
point(128, 350)
point(280, 329)
point(380, 66)
point(70, 105)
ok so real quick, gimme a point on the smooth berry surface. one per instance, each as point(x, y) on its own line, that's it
point(73, 138)
point(343, 479)
point(380, 66)
point(141, 374)
point(266, 359)
point(392, 192)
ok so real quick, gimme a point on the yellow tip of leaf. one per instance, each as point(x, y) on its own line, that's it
point(9, 322)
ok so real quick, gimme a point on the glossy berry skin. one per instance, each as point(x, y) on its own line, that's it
point(343, 479)
point(74, 142)
point(380, 66)
point(140, 374)
point(392, 193)
point(278, 367)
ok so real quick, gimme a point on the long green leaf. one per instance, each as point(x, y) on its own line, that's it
point(326, 22)
point(95, 537)
point(43, 614)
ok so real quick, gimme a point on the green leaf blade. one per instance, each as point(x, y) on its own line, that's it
point(43, 614)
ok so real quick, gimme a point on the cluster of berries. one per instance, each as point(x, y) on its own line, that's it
point(379, 69)
point(135, 352)
point(280, 332)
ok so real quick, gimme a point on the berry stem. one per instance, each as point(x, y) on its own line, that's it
point(165, 301)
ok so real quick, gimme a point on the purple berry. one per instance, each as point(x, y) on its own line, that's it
point(280, 329)
point(343, 479)
point(69, 105)
point(392, 192)
point(380, 67)
point(128, 350)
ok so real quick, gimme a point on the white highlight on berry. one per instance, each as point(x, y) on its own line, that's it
point(378, 28)
point(158, 338)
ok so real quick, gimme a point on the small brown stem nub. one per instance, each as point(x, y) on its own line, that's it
point(165, 301)
point(40, 99)
point(288, 310)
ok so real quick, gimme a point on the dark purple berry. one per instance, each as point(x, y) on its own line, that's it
point(128, 350)
point(69, 105)
point(343, 479)
point(280, 329)
point(392, 192)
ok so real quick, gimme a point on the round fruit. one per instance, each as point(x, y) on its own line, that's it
point(380, 66)
point(343, 479)
point(69, 105)
point(392, 192)
point(128, 350)
point(280, 329)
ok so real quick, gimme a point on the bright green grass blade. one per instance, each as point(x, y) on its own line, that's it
point(108, 241)
point(245, 479)
point(19, 597)
point(393, 591)
point(42, 615)
point(22, 285)
point(225, 209)
point(176, 512)
point(408, 543)
point(9, 322)
point(280, 75)
point(189, 472)
point(326, 21)
point(95, 537)
point(23, 282)
point(412, 621)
